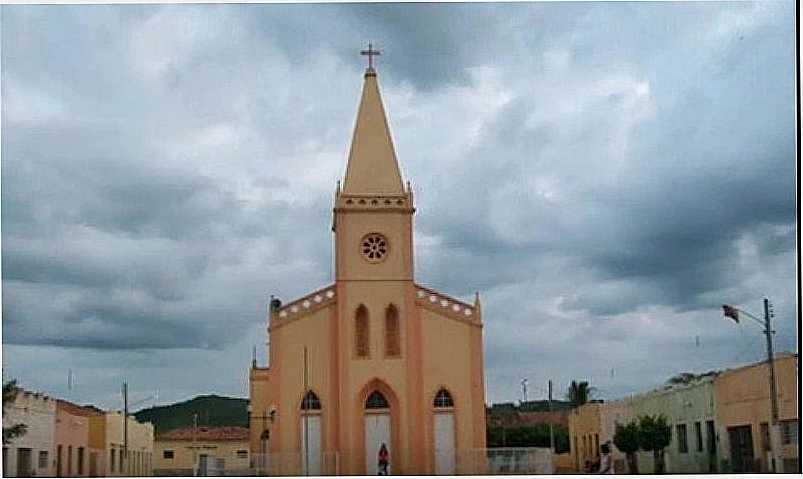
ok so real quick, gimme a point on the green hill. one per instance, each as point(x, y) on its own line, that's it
point(212, 411)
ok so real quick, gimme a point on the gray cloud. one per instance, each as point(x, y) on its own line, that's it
point(605, 174)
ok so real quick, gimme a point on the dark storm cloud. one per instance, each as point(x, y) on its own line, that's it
point(166, 168)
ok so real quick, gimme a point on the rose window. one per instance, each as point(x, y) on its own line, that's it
point(374, 247)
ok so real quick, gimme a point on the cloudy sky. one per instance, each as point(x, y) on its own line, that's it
point(605, 174)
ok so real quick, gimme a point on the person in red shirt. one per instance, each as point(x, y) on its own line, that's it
point(383, 460)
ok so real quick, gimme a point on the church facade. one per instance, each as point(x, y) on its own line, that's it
point(375, 358)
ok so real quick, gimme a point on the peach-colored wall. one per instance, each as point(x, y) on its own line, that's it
point(742, 397)
point(584, 427)
point(72, 439)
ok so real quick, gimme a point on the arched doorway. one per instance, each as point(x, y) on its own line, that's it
point(311, 435)
point(377, 432)
point(443, 417)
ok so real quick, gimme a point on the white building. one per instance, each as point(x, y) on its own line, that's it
point(32, 453)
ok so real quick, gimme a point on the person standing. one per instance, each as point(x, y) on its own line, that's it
point(606, 461)
point(384, 460)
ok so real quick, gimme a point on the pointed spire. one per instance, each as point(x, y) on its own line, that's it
point(372, 166)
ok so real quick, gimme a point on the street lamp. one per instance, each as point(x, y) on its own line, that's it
point(734, 313)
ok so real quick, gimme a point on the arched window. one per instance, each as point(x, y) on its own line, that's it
point(443, 399)
point(392, 346)
point(376, 401)
point(362, 333)
point(310, 402)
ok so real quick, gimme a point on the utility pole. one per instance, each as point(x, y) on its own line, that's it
point(774, 444)
point(551, 428)
point(124, 465)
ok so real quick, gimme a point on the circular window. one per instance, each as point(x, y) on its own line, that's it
point(374, 247)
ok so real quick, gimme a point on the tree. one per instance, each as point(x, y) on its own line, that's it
point(626, 439)
point(654, 435)
point(686, 378)
point(10, 390)
point(579, 393)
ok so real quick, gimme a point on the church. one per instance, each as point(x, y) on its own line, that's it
point(374, 373)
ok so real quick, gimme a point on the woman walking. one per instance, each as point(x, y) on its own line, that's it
point(384, 463)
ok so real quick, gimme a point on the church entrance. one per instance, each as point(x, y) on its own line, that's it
point(262, 460)
point(311, 435)
point(377, 434)
point(444, 433)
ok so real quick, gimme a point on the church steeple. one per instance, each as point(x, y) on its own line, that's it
point(372, 166)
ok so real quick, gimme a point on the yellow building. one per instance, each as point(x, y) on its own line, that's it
point(107, 435)
point(202, 451)
point(374, 358)
point(584, 434)
point(743, 412)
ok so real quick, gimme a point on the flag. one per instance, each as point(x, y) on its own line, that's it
point(730, 312)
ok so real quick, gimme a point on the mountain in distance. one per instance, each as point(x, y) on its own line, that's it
point(212, 411)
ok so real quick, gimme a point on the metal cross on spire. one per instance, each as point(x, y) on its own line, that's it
point(370, 53)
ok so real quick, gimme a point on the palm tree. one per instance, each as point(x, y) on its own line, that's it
point(579, 393)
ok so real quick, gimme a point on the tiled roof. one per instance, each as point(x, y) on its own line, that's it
point(77, 410)
point(203, 433)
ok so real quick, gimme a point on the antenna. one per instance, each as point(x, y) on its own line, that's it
point(524, 389)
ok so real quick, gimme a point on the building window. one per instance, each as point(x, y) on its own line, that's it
point(392, 342)
point(683, 442)
point(58, 460)
point(698, 434)
point(5, 462)
point(765, 436)
point(310, 402)
point(242, 454)
point(69, 461)
point(790, 431)
point(362, 332)
point(596, 444)
point(112, 459)
point(374, 247)
point(443, 399)
point(712, 437)
point(120, 461)
point(168, 454)
point(376, 401)
point(80, 461)
point(220, 464)
point(42, 459)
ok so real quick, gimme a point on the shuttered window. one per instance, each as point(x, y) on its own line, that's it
point(362, 333)
point(392, 341)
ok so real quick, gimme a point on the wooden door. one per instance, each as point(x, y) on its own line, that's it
point(311, 436)
point(741, 443)
point(377, 432)
point(24, 462)
point(444, 444)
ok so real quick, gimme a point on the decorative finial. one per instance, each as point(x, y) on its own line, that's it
point(370, 53)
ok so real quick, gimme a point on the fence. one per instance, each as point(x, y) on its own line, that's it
point(503, 460)
point(294, 464)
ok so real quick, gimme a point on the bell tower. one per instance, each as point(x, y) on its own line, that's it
point(373, 211)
